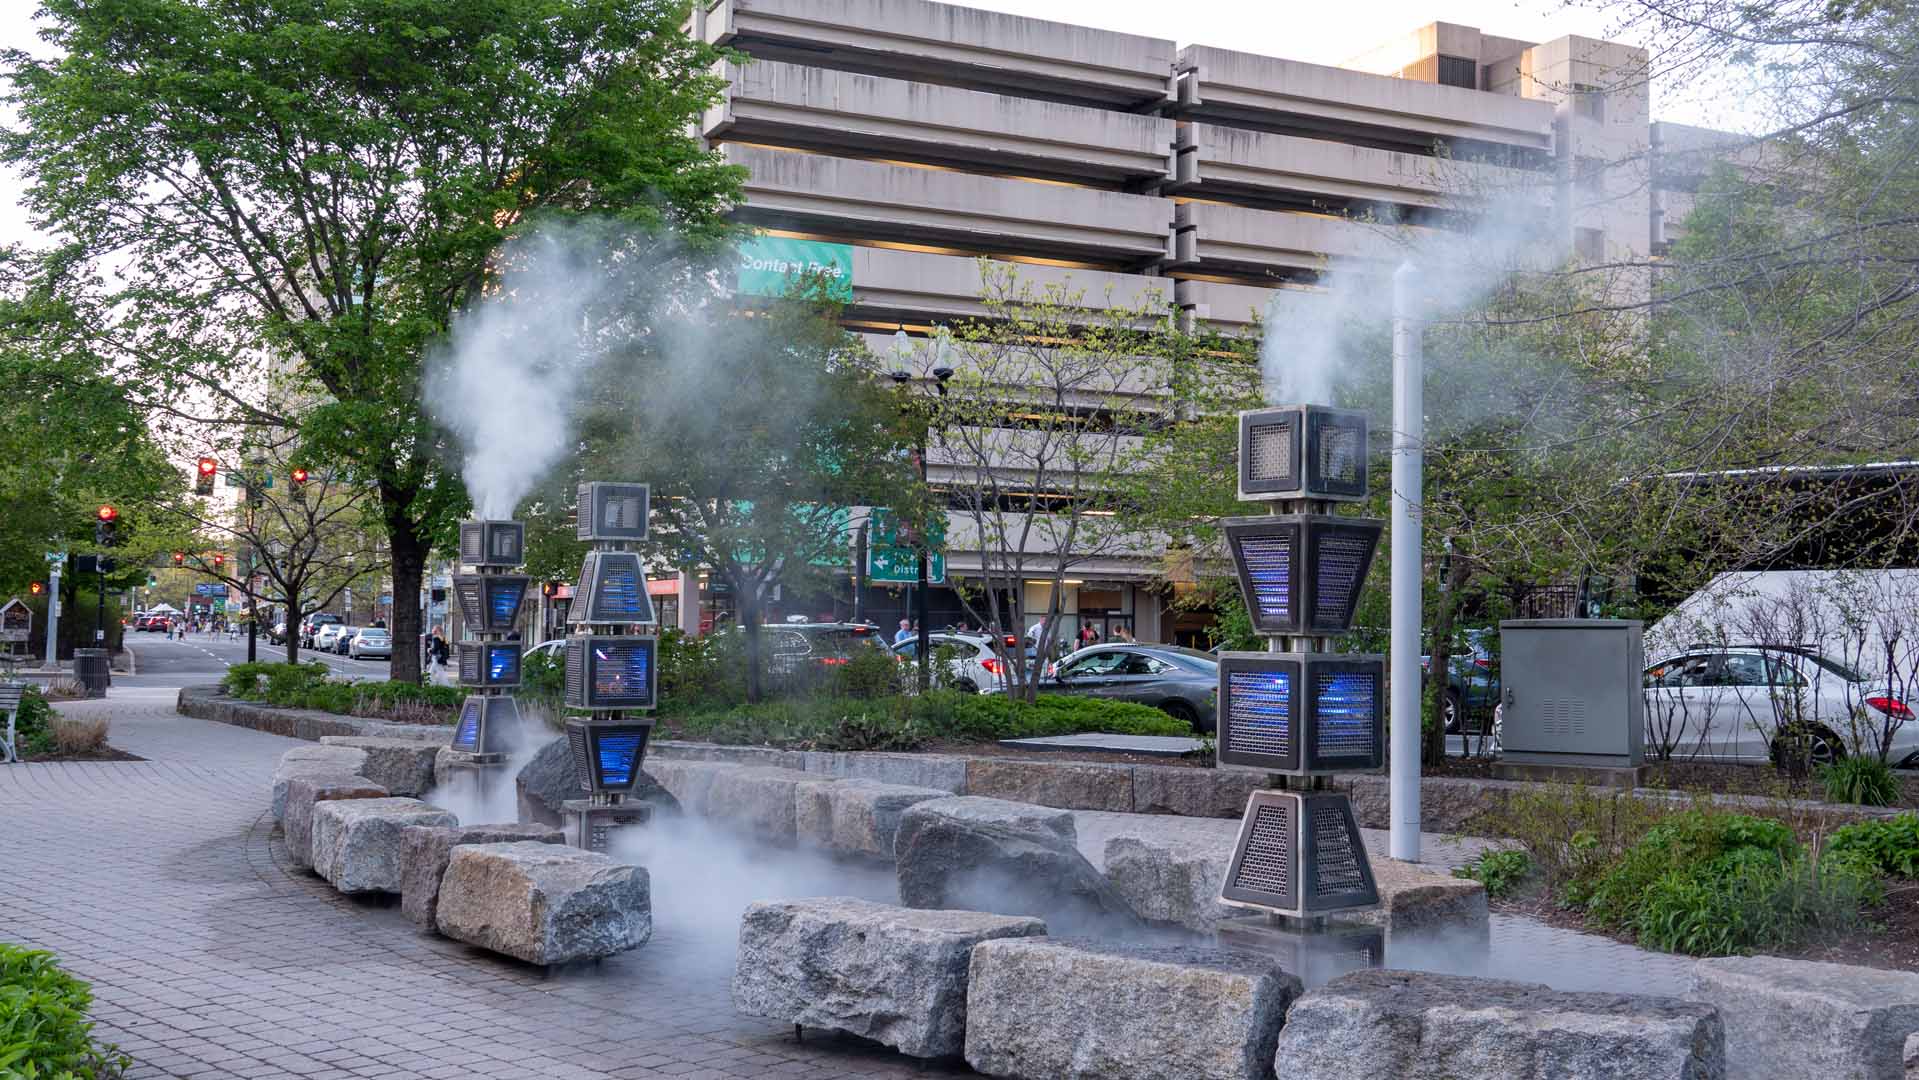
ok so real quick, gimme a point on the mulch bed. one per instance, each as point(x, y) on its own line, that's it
point(1891, 943)
point(105, 753)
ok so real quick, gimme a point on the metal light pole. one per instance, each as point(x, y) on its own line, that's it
point(53, 615)
point(925, 646)
point(1409, 435)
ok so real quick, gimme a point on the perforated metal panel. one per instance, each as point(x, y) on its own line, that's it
point(492, 543)
point(1301, 573)
point(605, 672)
point(1269, 449)
point(1302, 452)
point(582, 756)
point(466, 734)
point(1259, 709)
point(609, 753)
point(612, 590)
point(1340, 553)
point(1336, 441)
point(490, 603)
point(1301, 713)
point(489, 664)
point(1299, 853)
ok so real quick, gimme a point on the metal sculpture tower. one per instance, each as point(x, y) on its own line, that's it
point(488, 729)
point(611, 666)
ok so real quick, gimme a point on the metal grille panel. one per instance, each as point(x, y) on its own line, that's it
point(1259, 712)
point(576, 673)
point(582, 759)
point(1269, 572)
point(1340, 454)
point(1336, 869)
point(1270, 453)
point(1341, 558)
point(1266, 865)
point(1346, 710)
point(467, 735)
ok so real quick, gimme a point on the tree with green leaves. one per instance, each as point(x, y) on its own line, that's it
point(757, 434)
point(266, 214)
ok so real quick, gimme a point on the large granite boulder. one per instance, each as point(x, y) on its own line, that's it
point(356, 842)
point(690, 782)
point(308, 760)
point(425, 851)
point(855, 817)
point(959, 854)
point(757, 800)
point(544, 903)
point(304, 791)
point(1415, 1026)
point(894, 975)
point(402, 766)
point(1079, 1010)
point(1172, 881)
point(1796, 1018)
point(550, 777)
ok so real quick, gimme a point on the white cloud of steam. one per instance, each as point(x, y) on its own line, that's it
point(1316, 336)
point(487, 796)
point(505, 380)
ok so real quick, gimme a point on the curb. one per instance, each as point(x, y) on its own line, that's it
point(209, 703)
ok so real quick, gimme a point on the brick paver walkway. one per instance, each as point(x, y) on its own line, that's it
point(210, 957)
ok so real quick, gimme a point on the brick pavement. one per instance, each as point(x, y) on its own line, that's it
point(211, 957)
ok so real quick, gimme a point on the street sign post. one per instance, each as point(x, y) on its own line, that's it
point(892, 561)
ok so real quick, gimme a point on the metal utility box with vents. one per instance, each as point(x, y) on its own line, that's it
point(1571, 692)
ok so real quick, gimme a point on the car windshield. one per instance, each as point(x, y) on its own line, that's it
point(1203, 660)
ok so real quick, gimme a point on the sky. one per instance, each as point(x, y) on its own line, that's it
point(1315, 32)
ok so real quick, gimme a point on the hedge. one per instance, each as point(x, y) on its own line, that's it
point(306, 686)
point(908, 723)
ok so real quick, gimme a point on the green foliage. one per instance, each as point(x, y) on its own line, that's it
point(1860, 779)
point(870, 673)
point(1502, 872)
point(701, 672)
point(1889, 845)
point(33, 724)
point(897, 722)
point(1711, 883)
point(542, 677)
point(306, 686)
point(1573, 834)
point(44, 1031)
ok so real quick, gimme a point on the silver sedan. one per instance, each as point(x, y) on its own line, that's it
point(1179, 682)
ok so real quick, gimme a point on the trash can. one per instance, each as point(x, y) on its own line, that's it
point(90, 671)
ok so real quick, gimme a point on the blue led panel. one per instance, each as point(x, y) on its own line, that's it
point(1346, 712)
point(1342, 553)
point(1259, 711)
point(503, 598)
point(1269, 574)
point(467, 735)
point(621, 670)
point(503, 663)
point(618, 755)
point(618, 598)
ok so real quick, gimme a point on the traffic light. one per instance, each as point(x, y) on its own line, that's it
point(219, 560)
point(179, 558)
point(203, 480)
point(548, 588)
point(298, 489)
point(38, 588)
point(105, 523)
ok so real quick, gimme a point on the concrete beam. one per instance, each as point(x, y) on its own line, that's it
point(1237, 164)
point(1265, 91)
point(864, 199)
point(1234, 239)
point(845, 112)
point(943, 43)
point(893, 285)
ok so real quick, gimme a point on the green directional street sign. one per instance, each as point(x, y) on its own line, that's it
point(771, 265)
point(888, 560)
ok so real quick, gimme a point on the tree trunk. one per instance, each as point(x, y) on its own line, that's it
point(292, 641)
point(410, 551)
point(1439, 671)
point(750, 626)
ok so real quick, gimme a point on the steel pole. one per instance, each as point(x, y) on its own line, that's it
point(919, 605)
point(1409, 434)
point(53, 618)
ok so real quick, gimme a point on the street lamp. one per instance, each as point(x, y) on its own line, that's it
point(901, 379)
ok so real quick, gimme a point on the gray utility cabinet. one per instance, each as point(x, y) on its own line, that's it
point(1571, 692)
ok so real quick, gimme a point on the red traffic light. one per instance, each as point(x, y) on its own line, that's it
point(107, 514)
point(179, 558)
point(299, 476)
point(219, 560)
point(208, 466)
point(37, 588)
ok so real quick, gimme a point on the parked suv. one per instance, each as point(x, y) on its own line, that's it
point(974, 668)
point(795, 648)
point(310, 628)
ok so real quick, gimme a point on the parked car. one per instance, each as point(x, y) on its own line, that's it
point(1728, 702)
point(310, 627)
point(1178, 681)
point(975, 668)
point(790, 647)
point(370, 642)
point(1472, 682)
point(553, 647)
point(150, 623)
point(325, 634)
point(344, 639)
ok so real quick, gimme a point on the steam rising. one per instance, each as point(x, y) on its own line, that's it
point(1316, 338)
point(505, 381)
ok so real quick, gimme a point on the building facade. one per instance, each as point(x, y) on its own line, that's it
point(918, 137)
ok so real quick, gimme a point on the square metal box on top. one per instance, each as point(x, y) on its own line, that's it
point(1302, 452)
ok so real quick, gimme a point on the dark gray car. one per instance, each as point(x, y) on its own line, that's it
point(1179, 682)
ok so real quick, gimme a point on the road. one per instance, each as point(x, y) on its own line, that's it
point(203, 658)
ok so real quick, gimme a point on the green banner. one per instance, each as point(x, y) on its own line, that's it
point(891, 558)
point(772, 265)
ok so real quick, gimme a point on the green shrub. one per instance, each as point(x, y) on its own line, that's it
point(899, 722)
point(543, 677)
point(1573, 833)
point(869, 673)
point(44, 1031)
point(1889, 845)
point(33, 724)
point(1711, 883)
point(1861, 780)
point(1501, 872)
point(306, 686)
